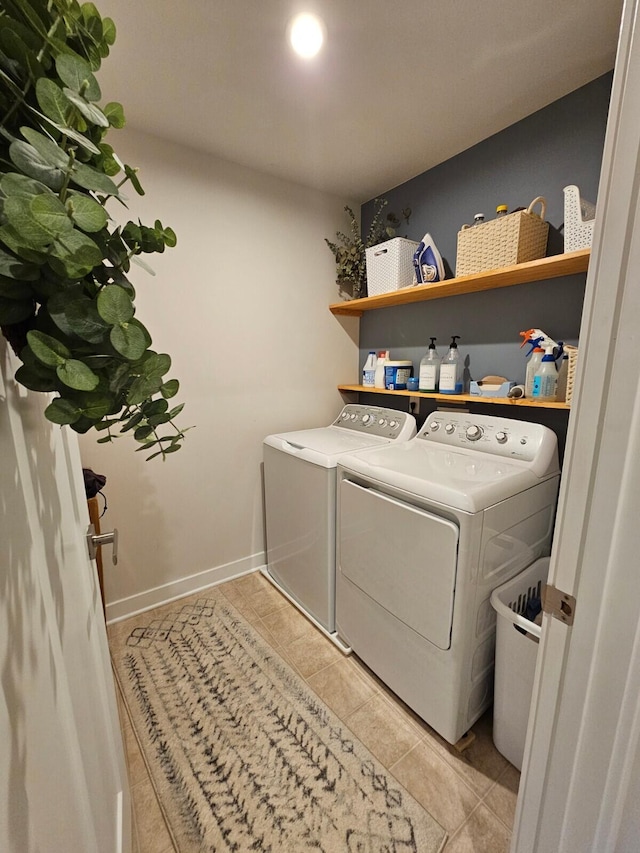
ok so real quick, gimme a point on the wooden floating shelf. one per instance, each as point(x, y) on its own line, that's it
point(544, 268)
point(456, 398)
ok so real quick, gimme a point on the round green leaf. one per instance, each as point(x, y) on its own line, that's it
point(14, 268)
point(62, 411)
point(129, 340)
point(53, 102)
point(19, 215)
point(76, 73)
point(90, 179)
point(75, 374)
point(156, 364)
point(108, 30)
point(85, 322)
point(15, 184)
point(36, 377)
point(50, 214)
point(47, 349)
point(170, 388)
point(154, 407)
point(46, 148)
point(115, 305)
point(115, 114)
point(15, 310)
point(88, 214)
point(95, 406)
point(92, 113)
point(176, 411)
point(143, 432)
point(142, 388)
point(77, 254)
point(29, 161)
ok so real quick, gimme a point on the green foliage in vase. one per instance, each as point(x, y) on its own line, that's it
point(66, 304)
point(350, 249)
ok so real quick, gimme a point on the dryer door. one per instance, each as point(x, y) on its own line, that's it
point(402, 556)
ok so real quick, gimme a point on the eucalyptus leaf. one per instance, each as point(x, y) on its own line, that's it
point(154, 407)
point(13, 184)
point(33, 164)
point(158, 420)
point(75, 374)
point(77, 254)
point(142, 388)
point(62, 411)
point(132, 422)
point(15, 310)
point(85, 321)
point(92, 113)
point(129, 340)
point(76, 73)
point(143, 432)
point(133, 177)
point(52, 100)
point(108, 31)
point(14, 268)
point(90, 179)
point(18, 213)
point(12, 289)
point(88, 214)
point(176, 411)
point(115, 114)
point(46, 349)
point(49, 212)
point(37, 377)
point(46, 148)
point(95, 406)
point(156, 364)
point(170, 388)
point(115, 305)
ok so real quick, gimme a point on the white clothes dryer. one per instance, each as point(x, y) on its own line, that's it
point(426, 531)
point(300, 502)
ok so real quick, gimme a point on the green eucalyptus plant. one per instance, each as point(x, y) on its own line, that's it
point(66, 304)
point(350, 250)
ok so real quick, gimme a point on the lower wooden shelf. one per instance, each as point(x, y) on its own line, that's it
point(457, 398)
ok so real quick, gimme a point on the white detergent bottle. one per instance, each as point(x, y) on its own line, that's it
point(545, 382)
point(429, 369)
point(369, 371)
point(451, 370)
point(532, 368)
point(383, 357)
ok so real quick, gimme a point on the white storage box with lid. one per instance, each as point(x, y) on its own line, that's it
point(390, 265)
point(515, 663)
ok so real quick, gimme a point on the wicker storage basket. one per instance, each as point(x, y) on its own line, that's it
point(390, 265)
point(502, 242)
point(579, 219)
point(571, 370)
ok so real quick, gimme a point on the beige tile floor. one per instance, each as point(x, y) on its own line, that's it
point(471, 794)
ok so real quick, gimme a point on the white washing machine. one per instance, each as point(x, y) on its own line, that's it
point(300, 502)
point(426, 531)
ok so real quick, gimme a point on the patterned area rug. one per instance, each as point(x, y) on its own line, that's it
point(244, 757)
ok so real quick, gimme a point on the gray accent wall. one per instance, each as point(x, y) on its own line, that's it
point(559, 145)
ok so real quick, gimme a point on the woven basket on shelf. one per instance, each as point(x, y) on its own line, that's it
point(571, 370)
point(502, 242)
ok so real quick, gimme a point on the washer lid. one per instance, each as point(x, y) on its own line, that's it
point(322, 446)
point(468, 481)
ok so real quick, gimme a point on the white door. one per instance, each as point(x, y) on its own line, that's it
point(581, 774)
point(63, 782)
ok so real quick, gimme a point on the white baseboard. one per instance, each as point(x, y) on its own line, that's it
point(116, 611)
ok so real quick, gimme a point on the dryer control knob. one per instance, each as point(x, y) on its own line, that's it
point(353, 417)
point(345, 416)
point(434, 426)
point(382, 422)
point(449, 429)
point(473, 432)
point(367, 419)
point(501, 437)
point(394, 424)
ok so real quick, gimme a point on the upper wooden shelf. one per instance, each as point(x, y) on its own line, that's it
point(544, 268)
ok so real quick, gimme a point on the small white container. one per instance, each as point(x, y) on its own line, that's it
point(515, 664)
point(396, 374)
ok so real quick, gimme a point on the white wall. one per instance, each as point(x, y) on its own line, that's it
point(241, 306)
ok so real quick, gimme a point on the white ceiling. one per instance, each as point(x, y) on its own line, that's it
point(398, 88)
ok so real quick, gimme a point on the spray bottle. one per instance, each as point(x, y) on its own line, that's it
point(539, 342)
point(450, 370)
point(545, 382)
point(429, 369)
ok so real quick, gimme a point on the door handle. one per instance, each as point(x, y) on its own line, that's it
point(95, 540)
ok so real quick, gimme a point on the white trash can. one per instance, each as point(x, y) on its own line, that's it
point(515, 663)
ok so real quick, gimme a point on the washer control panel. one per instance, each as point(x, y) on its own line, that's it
point(485, 433)
point(386, 423)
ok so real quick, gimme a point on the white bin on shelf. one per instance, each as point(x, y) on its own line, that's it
point(515, 664)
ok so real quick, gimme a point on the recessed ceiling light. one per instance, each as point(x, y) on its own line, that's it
point(306, 35)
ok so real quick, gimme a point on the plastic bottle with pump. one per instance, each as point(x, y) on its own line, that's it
point(501, 210)
point(429, 369)
point(369, 371)
point(535, 360)
point(545, 382)
point(383, 357)
point(451, 370)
